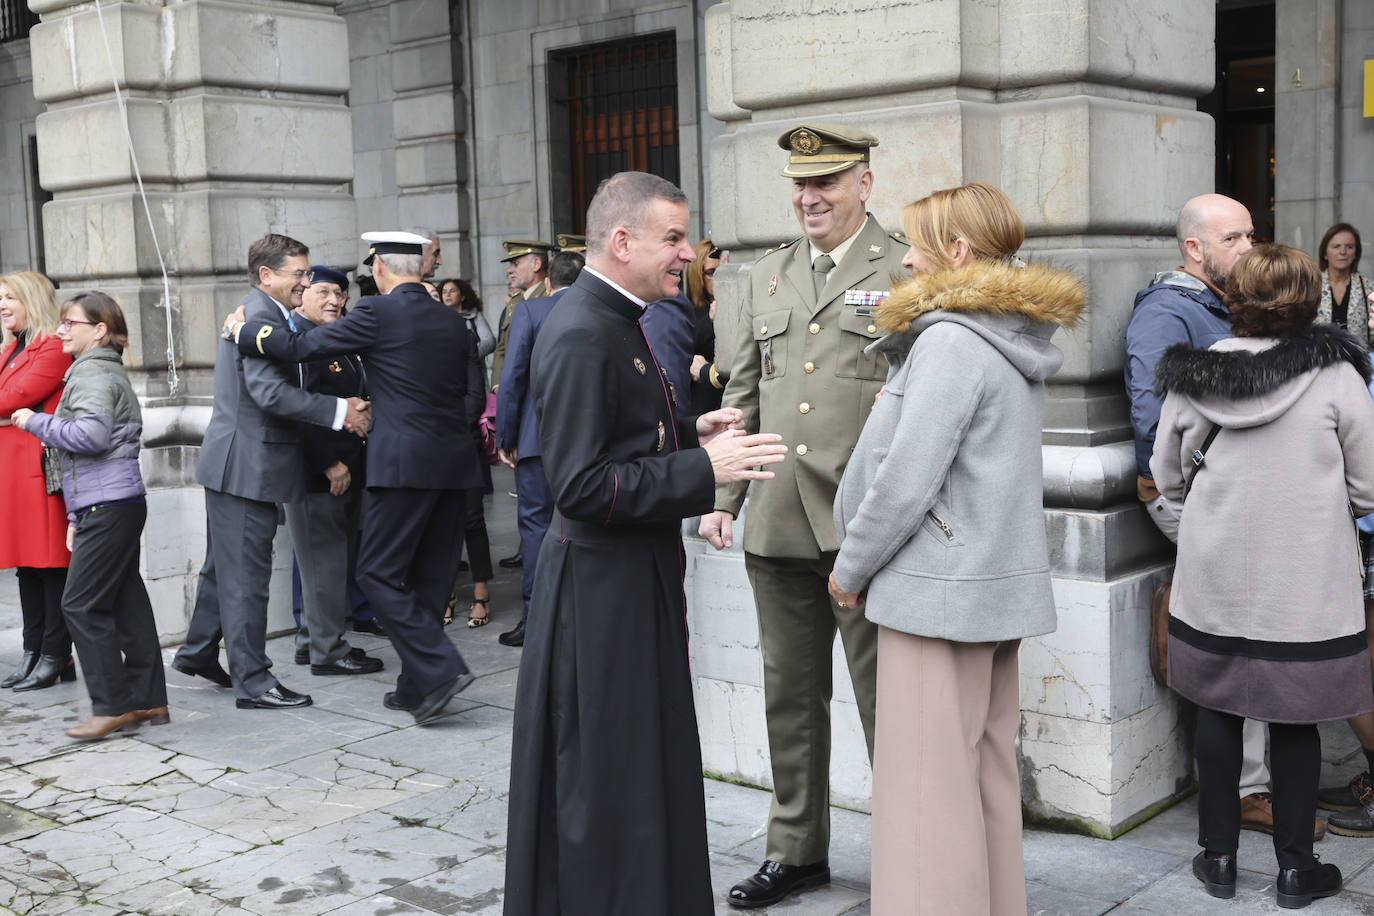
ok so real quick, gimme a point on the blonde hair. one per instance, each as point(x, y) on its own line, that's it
point(978, 213)
point(36, 292)
point(694, 275)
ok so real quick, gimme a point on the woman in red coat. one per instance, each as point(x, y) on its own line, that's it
point(33, 525)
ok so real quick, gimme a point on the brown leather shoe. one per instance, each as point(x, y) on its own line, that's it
point(100, 726)
point(156, 716)
point(1257, 813)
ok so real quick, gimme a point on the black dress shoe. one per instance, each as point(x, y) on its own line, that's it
point(432, 705)
point(515, 637)
point(211, 672)
point(279, 697)
point(26, 664)
point(1296, 888)
point(302, 656)
point(390, 702)
point(512, 562)
point(369, 626)
point(49, 670)
point(349, 664)
point(774, 881)
point(1217, 874)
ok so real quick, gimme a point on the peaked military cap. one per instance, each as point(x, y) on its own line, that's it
point(568, 242)
point(393, 243)
point(518, 248)
point(823, 149)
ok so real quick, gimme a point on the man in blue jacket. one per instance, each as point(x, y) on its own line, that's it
point(517, 431)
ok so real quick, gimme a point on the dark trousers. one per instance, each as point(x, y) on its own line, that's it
point(40, 602)
point(110, 616)
point(533, 512)
point(1295, 758)
point(405, 566)
point(231, 594)
point(475, 535)
point(321, 527)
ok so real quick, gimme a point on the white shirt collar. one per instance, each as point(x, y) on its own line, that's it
point(837, 254)
point(617, 287)
point(285, 312)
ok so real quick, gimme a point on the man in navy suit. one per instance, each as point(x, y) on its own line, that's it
point(420, 460)
point(517, 431)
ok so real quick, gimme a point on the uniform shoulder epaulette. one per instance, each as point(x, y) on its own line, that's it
point(783, 247)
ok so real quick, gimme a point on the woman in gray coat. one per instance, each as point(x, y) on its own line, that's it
point(943, 535)
point(96, 429)
point(1267, 617)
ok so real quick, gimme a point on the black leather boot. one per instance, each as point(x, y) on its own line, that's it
point(48, 671)
point(26, 663)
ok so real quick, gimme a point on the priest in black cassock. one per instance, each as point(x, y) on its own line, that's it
point(607, 814)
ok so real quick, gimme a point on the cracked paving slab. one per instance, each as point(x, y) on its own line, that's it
point(106, 855)
point(472, 743)
point(473, 808)
point(322, 870)
point(266, 806)
point(476, 888)
point(100, 778)
point(33, 733)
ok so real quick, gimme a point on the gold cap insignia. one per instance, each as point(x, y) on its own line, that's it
point(805, 142)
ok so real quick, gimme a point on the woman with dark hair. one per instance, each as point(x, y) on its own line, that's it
point(1345, 299)
point(942, 541)
point(96, 429)
point(33, 524)
point(707, 383)
point(462, 298)
point(1269, 437)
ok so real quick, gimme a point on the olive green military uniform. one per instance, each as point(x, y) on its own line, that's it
point(807, 377)
point(516, 248)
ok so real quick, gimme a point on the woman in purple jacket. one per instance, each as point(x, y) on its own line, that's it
point(96, 429)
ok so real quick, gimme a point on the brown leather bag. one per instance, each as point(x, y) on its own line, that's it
point(1159, 633)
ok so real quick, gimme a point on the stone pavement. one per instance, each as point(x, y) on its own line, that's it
point(348, 808)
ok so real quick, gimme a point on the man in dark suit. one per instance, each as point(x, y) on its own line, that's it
point(517, 432)
point(324, 523)
point(420, 461)
point(251, 459)
point(606, 800)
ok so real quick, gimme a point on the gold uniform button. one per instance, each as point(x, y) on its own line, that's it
point(764, 329)
point(801, 449)
point(814, 328)
point(805, 407)
point(810, 367)
point(872, 328)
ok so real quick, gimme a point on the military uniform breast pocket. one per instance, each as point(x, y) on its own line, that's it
point(772, 343)
point(857, 331)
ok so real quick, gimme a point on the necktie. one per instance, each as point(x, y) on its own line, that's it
point(819, 269)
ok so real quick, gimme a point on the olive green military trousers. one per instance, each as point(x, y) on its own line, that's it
point(797, 624)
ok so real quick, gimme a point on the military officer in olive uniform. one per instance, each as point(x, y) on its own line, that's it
point(527, 277)
point(808, 307)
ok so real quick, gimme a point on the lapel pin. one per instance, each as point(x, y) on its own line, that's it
point(639, 365)
point(772, 286)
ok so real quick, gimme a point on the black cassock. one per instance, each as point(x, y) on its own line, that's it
point(607, 814)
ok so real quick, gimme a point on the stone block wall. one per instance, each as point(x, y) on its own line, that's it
point(20, 243)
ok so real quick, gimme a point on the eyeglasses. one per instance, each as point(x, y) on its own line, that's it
point(306, 275)
point(66, 323)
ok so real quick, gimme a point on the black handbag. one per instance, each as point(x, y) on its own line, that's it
point(52, 470)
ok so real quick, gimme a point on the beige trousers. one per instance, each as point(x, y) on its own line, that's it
point(946, 793)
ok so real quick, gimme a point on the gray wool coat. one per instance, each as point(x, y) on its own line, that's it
point(939, 512)
point(1267, 615)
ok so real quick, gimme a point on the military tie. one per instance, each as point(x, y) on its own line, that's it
point(820, 268)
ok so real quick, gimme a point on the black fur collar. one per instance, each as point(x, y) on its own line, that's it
point(1239, 374)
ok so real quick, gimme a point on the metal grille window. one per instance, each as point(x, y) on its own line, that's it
point(612, 108)
point(15, 19)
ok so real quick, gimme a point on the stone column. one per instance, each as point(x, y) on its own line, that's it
point(410, 121)
point(1307, 119)
point(1084, 112)
point(238, 120)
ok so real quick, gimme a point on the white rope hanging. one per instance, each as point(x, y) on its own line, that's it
point(173, 382)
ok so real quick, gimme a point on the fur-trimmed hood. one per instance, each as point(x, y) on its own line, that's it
point(1016, 308)
point(1248, 381)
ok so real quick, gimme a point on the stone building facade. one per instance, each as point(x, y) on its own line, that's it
point(491, 119)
